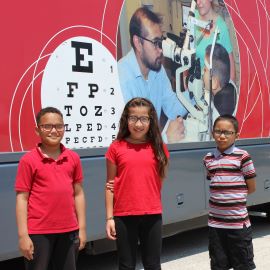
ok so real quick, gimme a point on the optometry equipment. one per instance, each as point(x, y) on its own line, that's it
point(198, 122)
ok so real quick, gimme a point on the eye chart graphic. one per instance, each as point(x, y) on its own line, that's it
point(65, 57)
point(86, 99)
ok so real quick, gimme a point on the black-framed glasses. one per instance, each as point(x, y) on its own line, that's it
point(227, 133)
point(133, 119)
point(157, 42)
point(49, 127)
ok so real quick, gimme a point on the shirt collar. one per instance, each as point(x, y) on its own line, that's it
point(44, 157)
point(134, 64)
point(228, 151)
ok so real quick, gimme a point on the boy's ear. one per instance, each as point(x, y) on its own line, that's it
point(215, 83)
point(237, 135)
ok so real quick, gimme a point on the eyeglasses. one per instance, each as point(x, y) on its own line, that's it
point(132, 119)
point(49, 127)
point(227, 133)
point(157, 42)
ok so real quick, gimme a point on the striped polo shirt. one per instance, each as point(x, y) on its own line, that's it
point(228, 172)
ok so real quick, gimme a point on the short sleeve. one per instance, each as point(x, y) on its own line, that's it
point(78, 170)
point(111, 153)
point(247, 167)
point(24, 177)
point(208, 174)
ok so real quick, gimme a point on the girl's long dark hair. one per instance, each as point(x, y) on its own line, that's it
point(153, 135)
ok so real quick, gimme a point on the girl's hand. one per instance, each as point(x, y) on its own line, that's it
point(110, 229)
point(26, 247)
point(82, 238)
point(110, 185)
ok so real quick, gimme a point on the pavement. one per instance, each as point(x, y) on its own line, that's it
point(188, 251)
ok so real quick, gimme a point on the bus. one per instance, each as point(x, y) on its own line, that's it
point(65, 53)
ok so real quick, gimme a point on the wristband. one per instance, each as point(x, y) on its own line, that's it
point(109, 218)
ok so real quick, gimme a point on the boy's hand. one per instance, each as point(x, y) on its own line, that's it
point(110, 185)
point(26, 247)
point(110, 229)
point(82, 238)
point(176, 130)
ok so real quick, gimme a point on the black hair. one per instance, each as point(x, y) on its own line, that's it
point(47, 110)
point(227, 117)
point(136, 25)
point(153, 135)
point(220, 63)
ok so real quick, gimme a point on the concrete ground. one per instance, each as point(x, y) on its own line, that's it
point(188, 251)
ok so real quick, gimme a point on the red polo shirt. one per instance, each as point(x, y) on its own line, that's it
point(137, 185)
point(51, 206)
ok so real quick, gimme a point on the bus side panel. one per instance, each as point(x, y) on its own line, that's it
point(184, 195)
point(8, 228)
point(184, 189)
point(94, 183)
point(260, 155)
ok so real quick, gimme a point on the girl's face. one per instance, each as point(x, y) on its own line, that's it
point(138, 122)
point(204, 6)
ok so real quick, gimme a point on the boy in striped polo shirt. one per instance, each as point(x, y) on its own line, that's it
point(232, 176)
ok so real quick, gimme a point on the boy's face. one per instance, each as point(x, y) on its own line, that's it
point(50, 129)
point(224, 134)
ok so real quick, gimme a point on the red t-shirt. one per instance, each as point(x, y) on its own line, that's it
point(137, 186)
point(51, 206)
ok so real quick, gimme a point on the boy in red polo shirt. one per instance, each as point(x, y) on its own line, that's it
point(50, 203)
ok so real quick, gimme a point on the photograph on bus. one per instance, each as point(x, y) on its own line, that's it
point(167, 52)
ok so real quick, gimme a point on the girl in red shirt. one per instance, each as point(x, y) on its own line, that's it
point(136, 162)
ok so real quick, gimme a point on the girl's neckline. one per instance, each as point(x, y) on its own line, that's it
point(134, 141)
